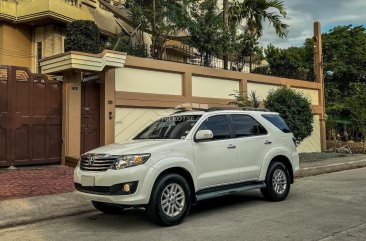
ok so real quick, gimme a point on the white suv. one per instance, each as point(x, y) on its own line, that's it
point(190, 156)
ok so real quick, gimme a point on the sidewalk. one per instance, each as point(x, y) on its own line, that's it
point(32, 209)
point(35, 181)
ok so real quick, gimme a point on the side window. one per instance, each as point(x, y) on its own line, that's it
point(277, 121)
point(245, 125)
point(218, 125)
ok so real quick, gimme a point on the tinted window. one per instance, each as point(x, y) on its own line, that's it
point(278, 122)
point(218, 125)
point(246, 126)
point(172, 127)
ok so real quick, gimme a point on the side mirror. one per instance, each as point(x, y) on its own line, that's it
point(204, 135)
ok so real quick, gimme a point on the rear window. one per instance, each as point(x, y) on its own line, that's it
point(277, 121)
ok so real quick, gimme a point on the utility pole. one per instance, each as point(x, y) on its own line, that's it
point(319, 77)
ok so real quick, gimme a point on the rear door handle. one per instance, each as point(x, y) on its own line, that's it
point(268, 142)
point(231, 146)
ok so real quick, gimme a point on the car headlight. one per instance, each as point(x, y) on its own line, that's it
point(130, 161)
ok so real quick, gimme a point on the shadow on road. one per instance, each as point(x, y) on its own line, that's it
point(133, 219)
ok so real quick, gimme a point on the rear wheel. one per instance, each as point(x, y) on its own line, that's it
point(277, 182)
point(107, 207)
point(170, 200)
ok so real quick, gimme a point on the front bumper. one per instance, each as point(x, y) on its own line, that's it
point(144, 175)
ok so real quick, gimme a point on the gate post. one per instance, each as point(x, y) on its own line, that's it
point(71, 115)
point(107, 107)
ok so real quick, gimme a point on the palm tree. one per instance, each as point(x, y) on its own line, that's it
point(254, 13)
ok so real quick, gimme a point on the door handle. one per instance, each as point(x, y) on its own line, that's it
point(268, 142)
point(231, 146)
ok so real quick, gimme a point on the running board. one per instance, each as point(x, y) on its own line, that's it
point(229, 189)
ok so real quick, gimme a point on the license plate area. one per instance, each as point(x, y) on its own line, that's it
point(87, 181)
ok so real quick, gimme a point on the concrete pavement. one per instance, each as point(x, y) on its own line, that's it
point(324, 207)
point(33, 209)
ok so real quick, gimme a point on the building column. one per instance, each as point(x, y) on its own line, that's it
point(71, 116)
point(107, 107)
point(319, 77)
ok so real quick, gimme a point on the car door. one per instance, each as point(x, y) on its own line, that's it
point(253, 142)
point(216, 159)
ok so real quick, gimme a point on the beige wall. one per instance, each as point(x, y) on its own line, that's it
point(148, 81)
point(312, 95)
point(262, 91)
point(214, 87)
point(130, 121)
point(15, 45)
point(312, 143)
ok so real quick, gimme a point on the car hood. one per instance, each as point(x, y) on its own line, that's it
point(133, 147)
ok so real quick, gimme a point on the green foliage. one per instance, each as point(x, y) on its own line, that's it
point(256, 12)
point(168, 18)
point(245, 48)
point(84, 36)
point(344, 56)
point(288, 63)
point(356, 104)
point(344, 53)
point(254, 99)
point(294, 108)
point(240, 100)
point(206, 28)
point(244, 101)
point(125, 44)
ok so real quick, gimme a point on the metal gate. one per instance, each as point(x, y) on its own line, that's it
point(30, 117)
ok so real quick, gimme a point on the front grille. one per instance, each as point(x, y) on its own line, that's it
point(116, 189)
point(94, 189)
point(95, 162)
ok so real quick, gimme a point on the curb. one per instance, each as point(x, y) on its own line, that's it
point(318, 170)
point(36, 220)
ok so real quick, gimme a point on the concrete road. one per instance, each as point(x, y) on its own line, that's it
point(326, 207)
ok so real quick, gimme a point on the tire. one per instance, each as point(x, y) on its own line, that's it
point(170, 200)
point(277, 182)
point(107, 207)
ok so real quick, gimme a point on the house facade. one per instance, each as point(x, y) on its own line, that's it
point(98, 99)
point(32, 30)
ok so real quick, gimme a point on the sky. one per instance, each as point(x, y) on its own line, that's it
point(301, 15)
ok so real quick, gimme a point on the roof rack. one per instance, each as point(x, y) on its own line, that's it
point(181, 110)
point(248, 108)
point(223, 108)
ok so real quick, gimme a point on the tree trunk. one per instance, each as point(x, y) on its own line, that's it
point(154, 48)
point(226, 24)
point(250, 63)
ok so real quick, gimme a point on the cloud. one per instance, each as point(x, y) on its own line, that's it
point(302, 13)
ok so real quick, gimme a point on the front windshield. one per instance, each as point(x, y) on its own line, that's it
point(172, 127)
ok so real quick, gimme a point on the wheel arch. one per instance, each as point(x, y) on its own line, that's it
point(280, 157)
point(182, 172)
point(284, 160)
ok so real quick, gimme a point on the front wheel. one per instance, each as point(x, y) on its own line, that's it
point(277, 182)
point(170, 200)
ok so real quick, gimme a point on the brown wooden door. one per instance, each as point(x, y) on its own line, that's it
point(30, 119)
point(90, 116)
